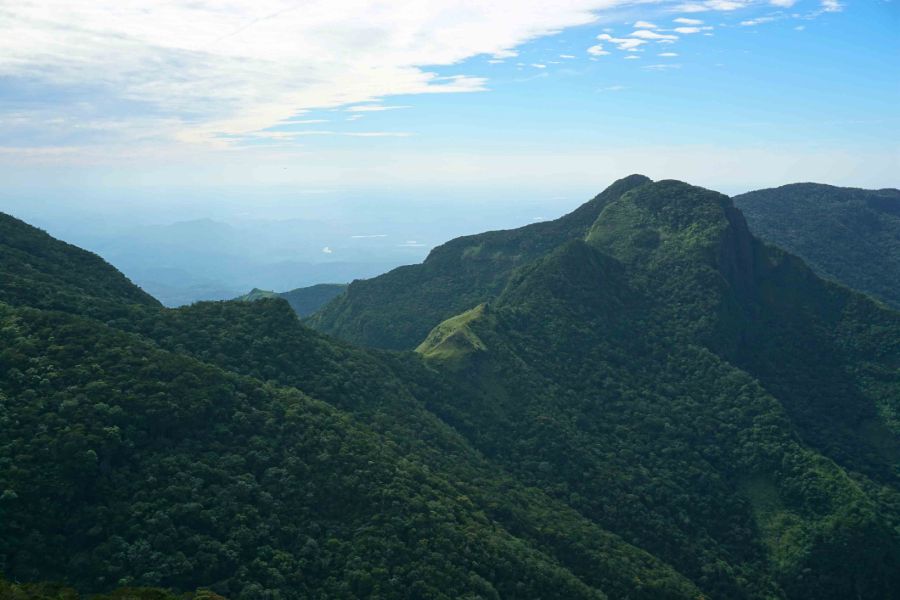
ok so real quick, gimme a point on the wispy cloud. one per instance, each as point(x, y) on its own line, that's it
point(686, 21)
point(113, 73)
point(645, 34)
point(757, 21)
point(204, 69)
point(373, 108)
point(626, 43)
point(661, 67)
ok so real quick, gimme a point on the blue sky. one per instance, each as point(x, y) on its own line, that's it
point(560, 97)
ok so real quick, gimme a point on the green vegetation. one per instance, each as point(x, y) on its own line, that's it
point(305, 301)
point(849, 235)
point(453, 340)
point(639, 400)
point(39, 271)
point(620, 374)
point(49, 591)
point(455, 277)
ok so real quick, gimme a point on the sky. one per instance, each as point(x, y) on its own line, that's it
point(127, 104)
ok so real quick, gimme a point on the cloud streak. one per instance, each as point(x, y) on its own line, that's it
point(209, 69)
point(116, 73)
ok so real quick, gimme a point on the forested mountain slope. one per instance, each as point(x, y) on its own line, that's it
point(132, 456)
point(641, 401)
point(40, 271)
point(845, 234)
point(672, 371)
point(454, 277)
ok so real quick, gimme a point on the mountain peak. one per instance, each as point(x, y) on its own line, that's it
point(626, 183)
point(661, 213)
point(456, 276)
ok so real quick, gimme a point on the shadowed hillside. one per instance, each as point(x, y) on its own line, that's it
point(849, 235)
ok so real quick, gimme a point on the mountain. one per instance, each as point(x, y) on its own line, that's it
point(147, 450)
point(638, 400)
point(670, 370)
point(304, 301)
point(845, 234)
point(454, 277)
point(40, 271)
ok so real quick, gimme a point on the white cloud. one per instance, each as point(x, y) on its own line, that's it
point(218, 71)
point(288, 135)
point(367, 134)
point(730, 5)
point(667, 54)
point(567, 56)
point(652, 35)
point(373, 108)
point(237, 66)
point(327, 250)
point(632, 57)
point(661, 67)
point(757, 21)
point(628, 43)
point(725, 5)
point(302, 121)
point(538, 66)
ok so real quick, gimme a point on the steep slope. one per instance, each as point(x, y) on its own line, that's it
point(704, 396)
point(305, 301)
point(127, 464)
point(849, 235)
point(385, 391)
point(642, 401)
point(40, 271)
point(398, 309)
point(140, 451)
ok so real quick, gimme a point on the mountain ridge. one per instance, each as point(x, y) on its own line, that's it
point(486, 258)
point(651, 404)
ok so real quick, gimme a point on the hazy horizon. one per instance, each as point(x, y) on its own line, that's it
point(184, 245)
point(389, 129)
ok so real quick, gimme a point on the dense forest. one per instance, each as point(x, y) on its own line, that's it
point(638, 400)
point(845, 234)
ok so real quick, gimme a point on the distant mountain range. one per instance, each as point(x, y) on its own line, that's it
point(638, 400)
point(304, 301)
